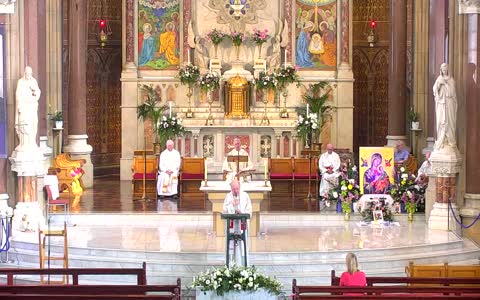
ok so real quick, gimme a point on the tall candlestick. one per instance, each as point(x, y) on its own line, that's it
point(188, 55)
point(170, 108)
point(286, 58)
point(308, 106)
point(265, 168)
point(205, 171)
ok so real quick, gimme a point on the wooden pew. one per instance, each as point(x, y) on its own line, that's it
point(442, 271)
point(149, 166)
point(192, 173)
point(281, 179)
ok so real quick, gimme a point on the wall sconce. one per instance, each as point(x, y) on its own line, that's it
point(372, 35)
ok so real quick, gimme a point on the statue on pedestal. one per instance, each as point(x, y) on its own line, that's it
point(445, 109)
point(26, 113)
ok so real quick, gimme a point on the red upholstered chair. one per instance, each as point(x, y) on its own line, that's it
point(192, 173)
point(51, 202)
point(281, 179)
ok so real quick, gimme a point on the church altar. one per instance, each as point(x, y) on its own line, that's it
point(208, 117)
point(216, 192)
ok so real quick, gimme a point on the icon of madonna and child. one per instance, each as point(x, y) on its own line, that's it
point(375, 179)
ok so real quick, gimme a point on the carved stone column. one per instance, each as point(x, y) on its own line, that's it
point(397, 72)
point(278, 141)
point(129, 17)
point(77, 88)
point(195, 135)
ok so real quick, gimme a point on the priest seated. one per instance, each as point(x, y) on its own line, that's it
point(232, 168)
point(329, 165)
point(168, 166)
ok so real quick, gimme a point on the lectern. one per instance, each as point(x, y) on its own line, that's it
point(237, 159)
point(236, 233)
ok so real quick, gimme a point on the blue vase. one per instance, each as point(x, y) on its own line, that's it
point(339, 206)
point(402, 207)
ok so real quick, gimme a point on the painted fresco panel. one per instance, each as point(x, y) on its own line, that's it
point(316, 34)
point(158, 34)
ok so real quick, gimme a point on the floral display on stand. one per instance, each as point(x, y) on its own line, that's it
point(237, 38)
point(407, 192)
point(222, 280)
point(260, 36)
point(286, 75)
point(189, 74)
point(346, 192)
point(306, 126)
point(209, 82)
point(266, 81)
point(215, 36)
point(169, 127)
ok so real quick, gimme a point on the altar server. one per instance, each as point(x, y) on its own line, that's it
point(168, 167)
point(329, 165)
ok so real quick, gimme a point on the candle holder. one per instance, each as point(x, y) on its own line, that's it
point(189, 113)
point(284, 112)
point(265, 119)
point(206, 174)
point(209, 121)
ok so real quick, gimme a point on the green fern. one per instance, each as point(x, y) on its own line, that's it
point(317, 99)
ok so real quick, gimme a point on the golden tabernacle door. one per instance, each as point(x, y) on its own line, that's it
point(237, 95)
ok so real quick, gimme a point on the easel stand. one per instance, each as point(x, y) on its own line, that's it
point(238, 234)
point(310, 153)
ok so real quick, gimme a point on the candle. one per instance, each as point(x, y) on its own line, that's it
point(210, 67)
point(188, 55)
point(308, 106)
point(170, 108)
point(286, 58)
point(265, 168)
point(205, 170)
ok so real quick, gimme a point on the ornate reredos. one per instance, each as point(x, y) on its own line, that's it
point(237, 23)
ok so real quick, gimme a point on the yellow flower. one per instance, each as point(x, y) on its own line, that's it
point(350, 187)
point(403, 182)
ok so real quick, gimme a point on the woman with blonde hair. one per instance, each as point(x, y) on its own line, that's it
point(353, 276)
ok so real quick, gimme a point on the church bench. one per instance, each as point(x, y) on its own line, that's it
point(281, 179)
point(24, 296)
point(144, 163)
point(444, 271)
point(192, 173)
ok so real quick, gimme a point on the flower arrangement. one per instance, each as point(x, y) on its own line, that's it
point(209, 82)
point(189, 74)
point(286, 75)
point(237, 38)
point(225, 279)
point(215, 36)
point(260, 36)
point(407, 191)
point(307, 125)
point(169, 127)
point(266, 81)
point(367, 213)
point(347, 190)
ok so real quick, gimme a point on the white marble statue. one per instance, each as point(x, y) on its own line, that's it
point(445, 109)
point(26, 113)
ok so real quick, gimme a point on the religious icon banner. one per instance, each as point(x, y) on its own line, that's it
point(158, 34)
point(376, 169)
point(316, 34)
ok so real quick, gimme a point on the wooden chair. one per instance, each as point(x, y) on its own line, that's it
point(281, 179)
point(411, 164)
point(44, 255)
point(192, 173)
point(149, 167)
point(69, 173)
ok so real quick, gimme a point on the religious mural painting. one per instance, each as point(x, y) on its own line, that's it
point(376, 169)
point(158, 34)
point(316, 34)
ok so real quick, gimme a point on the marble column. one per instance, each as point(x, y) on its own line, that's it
point(77, 88)
point(437, 54)
point(397, 72)
point(471, 208)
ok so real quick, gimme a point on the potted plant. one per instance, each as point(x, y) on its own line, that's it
point(317, 103)
point(149, 110)
point(413, 118)
point(57, 117)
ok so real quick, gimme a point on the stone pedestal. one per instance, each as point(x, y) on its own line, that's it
point(47, 153)
point(445, 165)
point(80, 149)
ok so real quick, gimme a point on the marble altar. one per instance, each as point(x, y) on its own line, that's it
point(216, 191)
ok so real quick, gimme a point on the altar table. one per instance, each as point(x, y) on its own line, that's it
point(216, 192)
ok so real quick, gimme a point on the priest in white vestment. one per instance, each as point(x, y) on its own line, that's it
point(237, 202)
point(231, 167)
point(422, 175)
point(329, 165)
point(168, 167)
